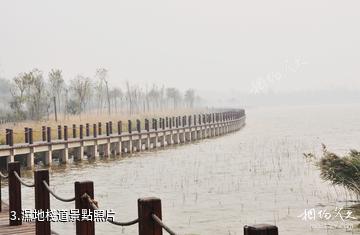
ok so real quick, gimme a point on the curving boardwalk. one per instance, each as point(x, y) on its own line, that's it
point(91, 141)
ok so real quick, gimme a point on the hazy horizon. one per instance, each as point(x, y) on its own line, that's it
point(279, 46)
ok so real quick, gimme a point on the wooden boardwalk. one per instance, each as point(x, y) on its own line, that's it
point(5, 228)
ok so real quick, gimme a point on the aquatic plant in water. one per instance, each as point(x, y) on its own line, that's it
point(343, 171)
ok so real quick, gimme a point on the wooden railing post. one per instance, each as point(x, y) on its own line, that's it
point(31, 137)
point(129, 126)
point(147, 128)
point(7, 133)
point(14, 194)
point(261, 229)
point(110, 127)
point(147, 207)
point(65, 133)
point(42, 201)
point(43, 129)
point(94, 131)
point(84, 227)
point(99, 128)
point(81, 132)
point(48, 130)
point(26, 134)
point(59, 132)
point(138, 125)
point(74, 131)
point(107, 127)
point(87, 129)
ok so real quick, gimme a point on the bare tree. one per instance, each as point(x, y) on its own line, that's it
point(81, 88)
point(190, 98)
point(57, 84)
point(174, 95)
point(102, 75)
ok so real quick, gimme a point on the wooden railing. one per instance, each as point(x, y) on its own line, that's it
point(149, 209)
point(154, 124)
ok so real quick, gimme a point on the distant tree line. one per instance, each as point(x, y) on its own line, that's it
point(34, 96)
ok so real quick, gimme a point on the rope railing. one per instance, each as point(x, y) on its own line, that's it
point(23, 182)
point(149, 209)
point(3, 176)
point(94, 205)
point(57, 196)
point(161, 223)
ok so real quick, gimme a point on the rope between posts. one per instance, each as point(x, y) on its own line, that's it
point(164, 226)
point(94, 206)
point(56, 196)
point(4, 176)
point(22, 182)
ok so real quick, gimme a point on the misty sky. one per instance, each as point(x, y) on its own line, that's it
point(223, 45)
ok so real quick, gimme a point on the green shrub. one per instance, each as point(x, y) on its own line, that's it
point(343, 171)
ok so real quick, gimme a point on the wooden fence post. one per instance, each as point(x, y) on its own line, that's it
point(74, 131)
point(138, 125)
point(94, 131)
point(147, 207)
point(129, 126)
point(7, 133)
point(42, 201)
point(65, 133)
point(81, 132)
point(107, 129)
point(48, 130)
point(10, 137)
point(43, 128)
point(99, 128)
point(14, 194)
point(31, 137)
point(59, 132)
point(261, 229)
point(147, 125)
point(87, 127)
point(110, 127)
point(84, 227)
point(26, 131)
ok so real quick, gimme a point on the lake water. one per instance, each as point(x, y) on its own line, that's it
point(216, 186)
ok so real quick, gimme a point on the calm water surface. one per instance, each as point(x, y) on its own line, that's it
point(216, 186)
